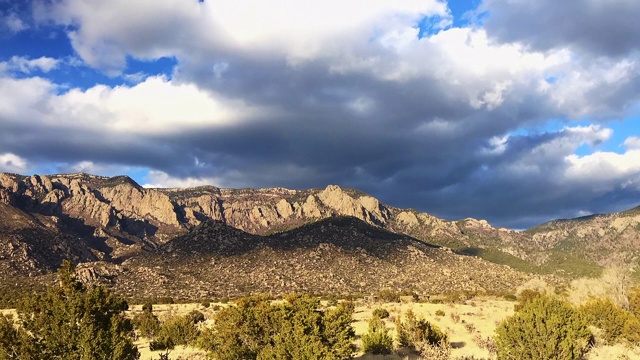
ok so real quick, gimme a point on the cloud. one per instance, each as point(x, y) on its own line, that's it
point(452, 122)
point(12, 163)
point(160, 179)
point(533, 178)
point(14, 23)
point(102, 33)
point(632, 143)
point(27, 66)
point(152, 107)
point(595, 27)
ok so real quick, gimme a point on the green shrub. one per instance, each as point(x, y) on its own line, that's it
point(388, 296)
point(525, 297)
point(196, 316)
point(256, 329)
point(377, 340)
point(332, 300)
point(439, 312)
point(179, 330)
point(544, 328)
point(147, 307)
point(634, 301)
point(381, 313)
point(416, 334)
point(615, 322)
point(70, 321)
point(146, 324)
point(14, 342)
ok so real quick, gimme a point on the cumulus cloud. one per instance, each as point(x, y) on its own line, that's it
point(345, 93)
point(13, 163)
point(597, 27)
point(297, 29)
point(160, 179)
point(154, 106)
point(25, 65)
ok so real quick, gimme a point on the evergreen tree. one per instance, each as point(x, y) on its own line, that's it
point(295, 329)
point(544, 328)
point(377, 339)
point(70, 321)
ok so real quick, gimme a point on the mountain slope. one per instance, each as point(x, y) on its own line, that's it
point(118, 219)
point(334, 256)
point(607, 239)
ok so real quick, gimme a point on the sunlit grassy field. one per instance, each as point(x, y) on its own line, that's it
point(467, 324)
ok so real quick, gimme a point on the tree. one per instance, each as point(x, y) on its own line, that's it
point(377, 339)
point(417, 334)
point(179, 330)
point(615, 322)
point(338, 333)
point(69, 321)
point(146, 323)
point(544, 328)
point(295, 329)
point(14, 342)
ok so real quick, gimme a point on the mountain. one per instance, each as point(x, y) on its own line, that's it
point(606, 239)
point(115, 221)
point(118, 217)
point(338, 255)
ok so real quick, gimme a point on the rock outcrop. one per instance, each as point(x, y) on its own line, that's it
point(340, 255)
point(117, 218)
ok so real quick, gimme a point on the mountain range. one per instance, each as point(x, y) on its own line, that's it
point(209, 241)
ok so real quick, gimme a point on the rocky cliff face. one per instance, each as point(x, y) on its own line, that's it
point(125, 217)
point(117, 218)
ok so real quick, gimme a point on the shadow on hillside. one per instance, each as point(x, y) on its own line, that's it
point(348, 234)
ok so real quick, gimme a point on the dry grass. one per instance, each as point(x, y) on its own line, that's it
point(482, 316)
point(477, 321)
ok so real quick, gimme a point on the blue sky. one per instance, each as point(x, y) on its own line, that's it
point(517, 112)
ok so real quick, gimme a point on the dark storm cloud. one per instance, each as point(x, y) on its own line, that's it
point(425, 126)
point(598, 27)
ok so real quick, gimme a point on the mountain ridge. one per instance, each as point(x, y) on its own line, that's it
point(114, 219)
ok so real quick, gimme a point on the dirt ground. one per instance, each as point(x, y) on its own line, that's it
point(465, 324)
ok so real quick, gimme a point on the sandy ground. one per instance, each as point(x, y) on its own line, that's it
point(464, 323)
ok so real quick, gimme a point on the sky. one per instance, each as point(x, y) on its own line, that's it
point(513, 111)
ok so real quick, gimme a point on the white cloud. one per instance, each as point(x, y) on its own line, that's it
point(26, 65)
point(92, 167)
point(154, 106)
point(550, 158)
point(160, 179)
point(632, 143)
point(296, 29)
point(13, 163)
point(497, 145)
point(595, 89)
point(14, 23)
point(603, 171)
